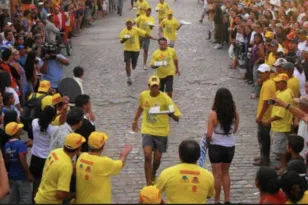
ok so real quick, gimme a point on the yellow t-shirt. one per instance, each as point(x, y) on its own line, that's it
point(93, 174)
point(57, 173)
point(169, 28)
point(268, 91)
point(186, 183)
point(304, 199)
point(270, 60)
point(142, 23)
point(132, 44)
point(157, 125)
point(293, 84)
point(168, 55)
point(163, 8)
point(56, 122)
point(142, 7)
point(284, 124)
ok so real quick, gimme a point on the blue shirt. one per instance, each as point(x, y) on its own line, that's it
point(54, 72)
point(22, 60)
point(12, 149)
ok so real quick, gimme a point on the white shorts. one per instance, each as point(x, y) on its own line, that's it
point(280, 141)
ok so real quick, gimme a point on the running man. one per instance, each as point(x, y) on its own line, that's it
point(143, 23)
point(155, 128)
point(129, 36)
point(169, 26)
point(162, 8)
point(166, 61)
point(142, 6)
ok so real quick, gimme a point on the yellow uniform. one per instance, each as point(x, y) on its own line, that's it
point(169, 28)
point(162, 10)
point(93, 174)
point(270, 60)
point(268, 91)
point(186, 183)
point(132, 44)
point(156, 125)
point(168, 55)
point(142, 7)
point(142, 23)
point(57, 175)
point(303, 200)
point(283, 124)
point(293, 84)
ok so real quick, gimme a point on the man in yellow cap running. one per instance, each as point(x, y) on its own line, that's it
point(93, 171)
point(170, 26)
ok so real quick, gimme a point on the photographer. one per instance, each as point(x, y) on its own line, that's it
point(52, 68)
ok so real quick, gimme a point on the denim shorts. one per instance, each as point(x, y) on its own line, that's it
point(156, 142)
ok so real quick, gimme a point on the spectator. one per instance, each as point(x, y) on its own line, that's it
point(223, 121)
point(101, 168)
point(58, 170)
point(51, 30)
point(197, 181)
point(62, 106)
point(4, 183)
point(31, 72)
point(8, 103)
point(78, 77)
point(293, 82)
point(268, 184)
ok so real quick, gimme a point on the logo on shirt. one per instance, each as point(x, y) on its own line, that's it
point(195, 180)
point(86, 177)
point(88, 169)
point(147, 104)
point(184, 179)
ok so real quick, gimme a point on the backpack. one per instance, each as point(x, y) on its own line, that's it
point(32, 110)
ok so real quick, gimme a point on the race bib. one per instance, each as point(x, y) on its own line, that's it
point(132, 40)
point(151, 118)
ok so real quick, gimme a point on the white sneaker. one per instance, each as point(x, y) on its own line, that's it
point(145, 67)
point(218, 46)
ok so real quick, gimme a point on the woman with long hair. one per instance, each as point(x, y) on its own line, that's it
point(268, 184)
point(42, 130)
point(30, 69)
point(223, 121)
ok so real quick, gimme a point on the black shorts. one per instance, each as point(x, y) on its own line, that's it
point(131, 55)
point(166, 84)
point(156, 142)
point(221, 154)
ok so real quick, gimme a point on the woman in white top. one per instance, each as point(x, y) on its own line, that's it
point(42, 131)
point(223, 121)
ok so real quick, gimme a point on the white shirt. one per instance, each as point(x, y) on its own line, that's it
point(60, 19)
point(11, 90)
point(205, 4)
point(302, 80)
point(301, 45)
point(252, 37)
point(58, 137)
point(80, 82)
point(41, 140)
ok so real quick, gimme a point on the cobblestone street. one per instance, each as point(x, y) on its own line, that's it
point(203, 70)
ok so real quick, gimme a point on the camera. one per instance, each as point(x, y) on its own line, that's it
point(50, 49)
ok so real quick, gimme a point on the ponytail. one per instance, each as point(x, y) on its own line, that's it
point(46, 117)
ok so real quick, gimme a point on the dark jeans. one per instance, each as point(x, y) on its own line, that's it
point(264, 140)
point(249, 69)
point(219, 32)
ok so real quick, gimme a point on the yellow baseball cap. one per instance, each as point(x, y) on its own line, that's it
point(269, 34)
point(150, 195)
point(153, 80)
point(169, 12)
point(56, 98)
point(129, 20)
point(73, 140)
point(281, 77)
point(97, 139)
point(46, 101)
point(44, 86)
point(12, 128)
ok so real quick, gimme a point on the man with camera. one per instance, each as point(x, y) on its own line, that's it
point(52, 69)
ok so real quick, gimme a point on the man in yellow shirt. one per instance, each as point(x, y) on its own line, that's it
point(271, 58)
point(62, 106)
point(170, 26)
point(155, 127)
point(281, 119)
point(162, 8)
point(146, 23)
point(142, 6)
point(293, 82)
point(129, 36)
point(186, 182)
point(57, 173)
point(93, 171)
point(165, 60)
point(268, 91)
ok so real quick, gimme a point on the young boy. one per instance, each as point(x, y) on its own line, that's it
point(18, 171)
point(78, 75)
point(294, 147)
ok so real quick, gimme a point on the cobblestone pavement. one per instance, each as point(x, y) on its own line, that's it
point(203, 71)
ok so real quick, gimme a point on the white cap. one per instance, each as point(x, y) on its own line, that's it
point(41, 3)
point(280, 62)
point(9, 23)
point(49, 14)
point(264, 68)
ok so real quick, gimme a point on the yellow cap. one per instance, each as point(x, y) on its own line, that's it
point(46, 101)
point(150, 195)
point(153, 80)
point(12, 128)
point(269, 34)
point(281, 77)
point(44, 86)
point(73, 140)
point(129, 20)
point(97, 139)
point(169, 12)
point(56, 98)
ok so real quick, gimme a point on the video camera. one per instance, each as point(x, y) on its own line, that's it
point(50, 49)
